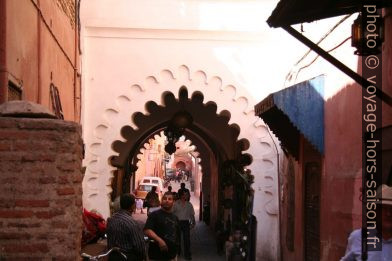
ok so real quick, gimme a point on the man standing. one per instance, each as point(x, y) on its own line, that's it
point(162, 227)
point(169, 189)
point(183, 189)
point(183, 209)
point(353, 251)
point(152, 199)
point(124, 232)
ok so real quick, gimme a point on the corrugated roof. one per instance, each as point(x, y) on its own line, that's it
point(296, 110)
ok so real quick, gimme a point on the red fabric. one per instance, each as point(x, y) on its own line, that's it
point(94, 227)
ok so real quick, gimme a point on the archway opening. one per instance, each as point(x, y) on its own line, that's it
point(181, 165)
point(225, 192)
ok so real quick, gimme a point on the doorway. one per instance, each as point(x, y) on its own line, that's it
point(312, 211)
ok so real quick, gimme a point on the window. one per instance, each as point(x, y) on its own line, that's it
point(145, 187)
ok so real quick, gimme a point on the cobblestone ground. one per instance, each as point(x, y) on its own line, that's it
point(203, 245)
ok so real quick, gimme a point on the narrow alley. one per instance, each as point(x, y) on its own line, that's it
point(278, 112)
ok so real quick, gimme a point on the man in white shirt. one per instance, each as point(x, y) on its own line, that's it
point(183, 209)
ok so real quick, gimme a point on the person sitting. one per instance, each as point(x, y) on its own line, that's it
point(125, 233)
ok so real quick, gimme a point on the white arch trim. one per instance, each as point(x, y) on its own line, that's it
point(132, 98)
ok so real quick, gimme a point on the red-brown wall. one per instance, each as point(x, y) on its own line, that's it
point(307, 154)
point(3, 74)
point(342, 171)
point(387, 66)
point(341, 207)
point(41, 47)
point(297, 252)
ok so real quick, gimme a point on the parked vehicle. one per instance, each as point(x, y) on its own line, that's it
point(153, 180)
point(146, 185)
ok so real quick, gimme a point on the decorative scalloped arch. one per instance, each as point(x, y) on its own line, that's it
point(204, 117)
point(230, 102)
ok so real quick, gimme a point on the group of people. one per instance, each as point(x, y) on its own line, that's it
point(152, 201)
point(181, 174)
point(175, 217)
point(164, 227)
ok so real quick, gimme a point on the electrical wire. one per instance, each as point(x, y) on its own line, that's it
point(324, 37)
point(289, 75)
point(337, 46)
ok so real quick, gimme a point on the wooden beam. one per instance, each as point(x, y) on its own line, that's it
point(355, 76)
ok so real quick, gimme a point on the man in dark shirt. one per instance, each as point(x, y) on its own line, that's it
point(152, 199)
point(182, 190)
point(170, 189)
point(124, 232)
point(162, 226)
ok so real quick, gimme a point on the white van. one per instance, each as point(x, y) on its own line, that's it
point(145, 186)
point(155, 181)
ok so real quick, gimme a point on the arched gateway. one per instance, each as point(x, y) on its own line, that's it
point(110, 128)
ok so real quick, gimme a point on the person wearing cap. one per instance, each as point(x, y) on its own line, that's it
point(353, 250)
